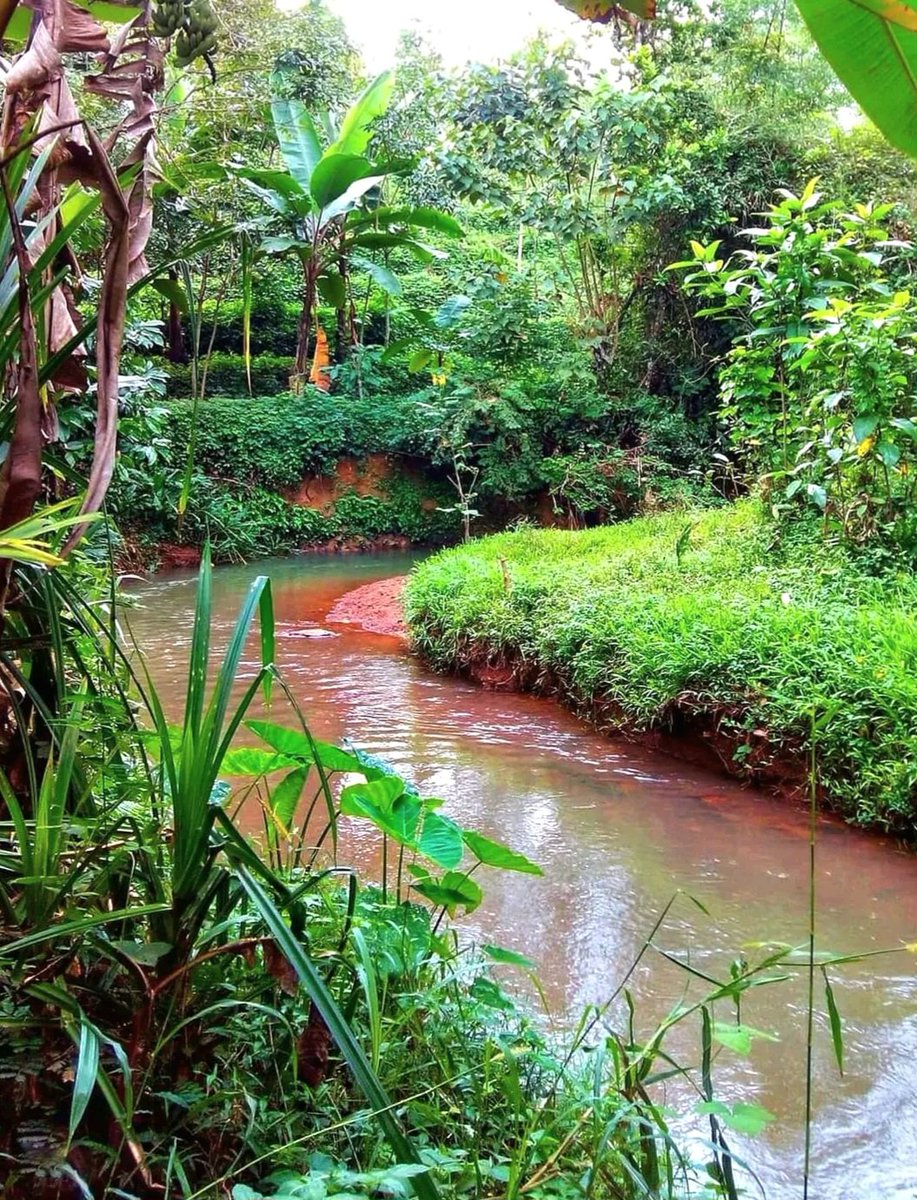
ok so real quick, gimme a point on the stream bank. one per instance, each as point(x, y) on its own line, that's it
point(618, 831)
point(697, 631)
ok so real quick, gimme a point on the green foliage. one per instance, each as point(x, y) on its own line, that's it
point(696, 621)
point(226, 375)
point(818, 389)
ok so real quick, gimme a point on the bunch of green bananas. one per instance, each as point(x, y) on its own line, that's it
point(168, 16)
point(195, 23)
point(197, 37)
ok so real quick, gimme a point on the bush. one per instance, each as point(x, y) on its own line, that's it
point(226, 376)
point(696, 619)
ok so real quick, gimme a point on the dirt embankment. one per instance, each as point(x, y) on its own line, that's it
point(375, 607)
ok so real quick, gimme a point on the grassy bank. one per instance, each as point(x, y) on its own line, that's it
point(700, 624)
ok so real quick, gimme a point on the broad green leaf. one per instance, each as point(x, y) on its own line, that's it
point(452, 892)
point(173, 292)
point(491, 994)
point(494, 854)
point(336, 173)
point(332, 289)
point(380, 274)
point(356, 127)
point(872, 45)
point(252, 762)
point(864, 427)
point(441, 841)
point(349, 200)
point(419, 360)
point(296, 744)
point(450, 312)
point(285, 796)
point(298, 139)
point(510, 958)
point(371, 799)
point(417, 218)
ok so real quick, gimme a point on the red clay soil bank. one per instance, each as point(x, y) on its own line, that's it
point(698, 739)
point(376, 607)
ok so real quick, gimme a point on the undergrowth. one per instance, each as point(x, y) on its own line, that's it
point(706, 621)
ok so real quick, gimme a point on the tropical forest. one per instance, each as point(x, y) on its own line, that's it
point(458, 611)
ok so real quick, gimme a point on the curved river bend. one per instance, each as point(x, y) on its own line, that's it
point(618, 831)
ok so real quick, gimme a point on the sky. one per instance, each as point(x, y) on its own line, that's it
point(482, 30)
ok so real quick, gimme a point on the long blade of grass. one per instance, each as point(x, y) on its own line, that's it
point(365, 1076)
point(87, 1070)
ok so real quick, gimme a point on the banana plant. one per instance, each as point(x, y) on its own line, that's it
point(330, 198)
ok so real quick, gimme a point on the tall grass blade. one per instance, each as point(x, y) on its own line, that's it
point(365, 1076)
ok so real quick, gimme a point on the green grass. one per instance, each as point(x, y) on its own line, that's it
point(726, 626)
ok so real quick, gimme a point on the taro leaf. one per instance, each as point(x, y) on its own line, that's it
point(375, 797)
point(491, 995)
point(450, 312)
point(441, 841)
point(251, 762)
point(738, 1037)
point(285, 796)
point(494, 854)
point(421, 359)
point(452, 891)
point(511, 958)
point(402, 820)
point(295, 744)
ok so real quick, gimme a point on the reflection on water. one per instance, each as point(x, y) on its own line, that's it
point(618, 832)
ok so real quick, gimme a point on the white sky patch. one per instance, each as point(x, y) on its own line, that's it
point(461, 30)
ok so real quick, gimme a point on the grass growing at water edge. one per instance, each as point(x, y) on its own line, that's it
point(705, 622)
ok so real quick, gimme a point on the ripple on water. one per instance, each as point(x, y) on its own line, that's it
point(618, 833)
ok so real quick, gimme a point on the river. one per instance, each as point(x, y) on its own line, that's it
point(618, 832)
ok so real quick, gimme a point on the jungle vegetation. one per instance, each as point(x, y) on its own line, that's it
point(665, 282)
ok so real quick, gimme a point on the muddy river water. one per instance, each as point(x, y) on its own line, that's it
point(618, 832)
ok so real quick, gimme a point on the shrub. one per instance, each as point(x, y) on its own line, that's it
point(226, 376)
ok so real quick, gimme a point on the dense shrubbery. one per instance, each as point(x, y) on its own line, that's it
point(705, 621)
point(227, 376)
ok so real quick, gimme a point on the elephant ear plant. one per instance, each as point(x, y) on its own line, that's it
point(127, 894)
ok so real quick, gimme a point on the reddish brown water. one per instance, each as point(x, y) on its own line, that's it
point(618, 832)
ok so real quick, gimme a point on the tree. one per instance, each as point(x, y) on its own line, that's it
point(331, 202)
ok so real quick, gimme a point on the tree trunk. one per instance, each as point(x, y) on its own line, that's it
point(301, 366)
point(176, 351)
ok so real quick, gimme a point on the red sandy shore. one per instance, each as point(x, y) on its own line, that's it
point(376, 607)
